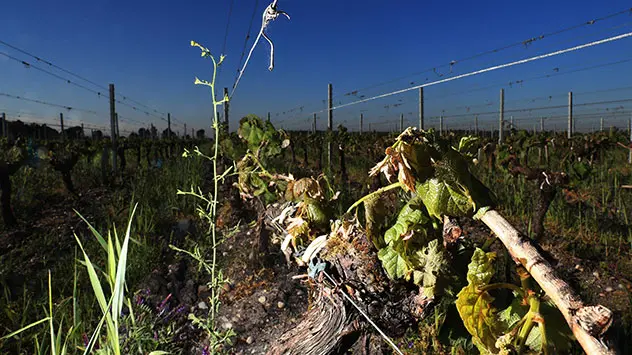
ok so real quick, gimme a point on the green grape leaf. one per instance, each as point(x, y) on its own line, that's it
point(468, 145)
point(580, 170)
point(454, 191)
point(232, 147)
point(442, 199)
point(475, 307)
point(394, 263)
point(432, 269)
point(377, 216)
point(315, 213)
point(513, 313)
point(261, 136)
point(411, 223)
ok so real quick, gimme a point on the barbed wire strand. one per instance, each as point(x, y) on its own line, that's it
point(484, 53)
point(511, 83)
point(485, 70)
point(66, 107)
point(42, 60)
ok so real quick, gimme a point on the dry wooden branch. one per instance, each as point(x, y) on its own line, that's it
point(332, 321)
point(564, 297)
point(319, 331)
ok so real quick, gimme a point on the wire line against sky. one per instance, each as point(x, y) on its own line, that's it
point(502, 84)
point(495, 112)
point(54, 121)
point(66, 107)
point(540, 108)
point(102, 87)
point(478, 55)
point(612, 115)
point(485, 70)
point(98, 93)
point(223, 52)
point(86, 126)
point(29, 65)
point(243, 51)
point(499, 49)
point(39, 59)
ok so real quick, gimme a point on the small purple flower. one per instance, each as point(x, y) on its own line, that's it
point(410, 344)
point(181, 309)
point(205, 351)
point(155, 335)
point(139, 300)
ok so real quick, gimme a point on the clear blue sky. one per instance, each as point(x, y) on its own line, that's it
point(143, 47)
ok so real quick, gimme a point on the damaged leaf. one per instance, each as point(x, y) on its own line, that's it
point(475, 307)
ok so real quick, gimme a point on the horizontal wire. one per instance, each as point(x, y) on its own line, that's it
point(488, 69)
point(497, 50)
point(69, 108)
point(42, 60)
point(521, 81)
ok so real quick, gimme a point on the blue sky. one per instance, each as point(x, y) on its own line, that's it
point(143, 47)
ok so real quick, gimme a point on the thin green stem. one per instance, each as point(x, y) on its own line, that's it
point(374, 193)
point(215, 188)
point(534, 313)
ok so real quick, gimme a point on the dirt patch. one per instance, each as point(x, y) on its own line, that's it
point(260, 303)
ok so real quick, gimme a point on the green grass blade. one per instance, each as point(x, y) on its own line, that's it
point(58, 338)
point(25, 328)
point(95, 334)
point(111, 263)
point(100, 296)
point(94, 279)
point(75, 315)
point(50, 316)
point(96, 233)
point(119, 286)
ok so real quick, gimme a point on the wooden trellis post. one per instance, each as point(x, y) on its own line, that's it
point(570, 115)
point(113, 127)
point(330, 124)
point(361, 122)
point(421, 108)
point(61, 122)
point(501, 118)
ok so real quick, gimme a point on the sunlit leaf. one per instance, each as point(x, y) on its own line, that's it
point(475, 307)
point(432, 269)
point(394, 263)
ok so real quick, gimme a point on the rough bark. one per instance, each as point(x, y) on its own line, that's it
point(343, 166)
point(121, 155)
point(293, 152)
point(331, 321)
point(320, 156)
point(547, 183)
point(105, 158)
point(6, 170)
point(138, 154)
point(305, 158)
point(319, 332)
point(65, 166)
point(567, 301)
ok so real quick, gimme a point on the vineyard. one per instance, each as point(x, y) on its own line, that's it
point(401, 252)
point(388, 219)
